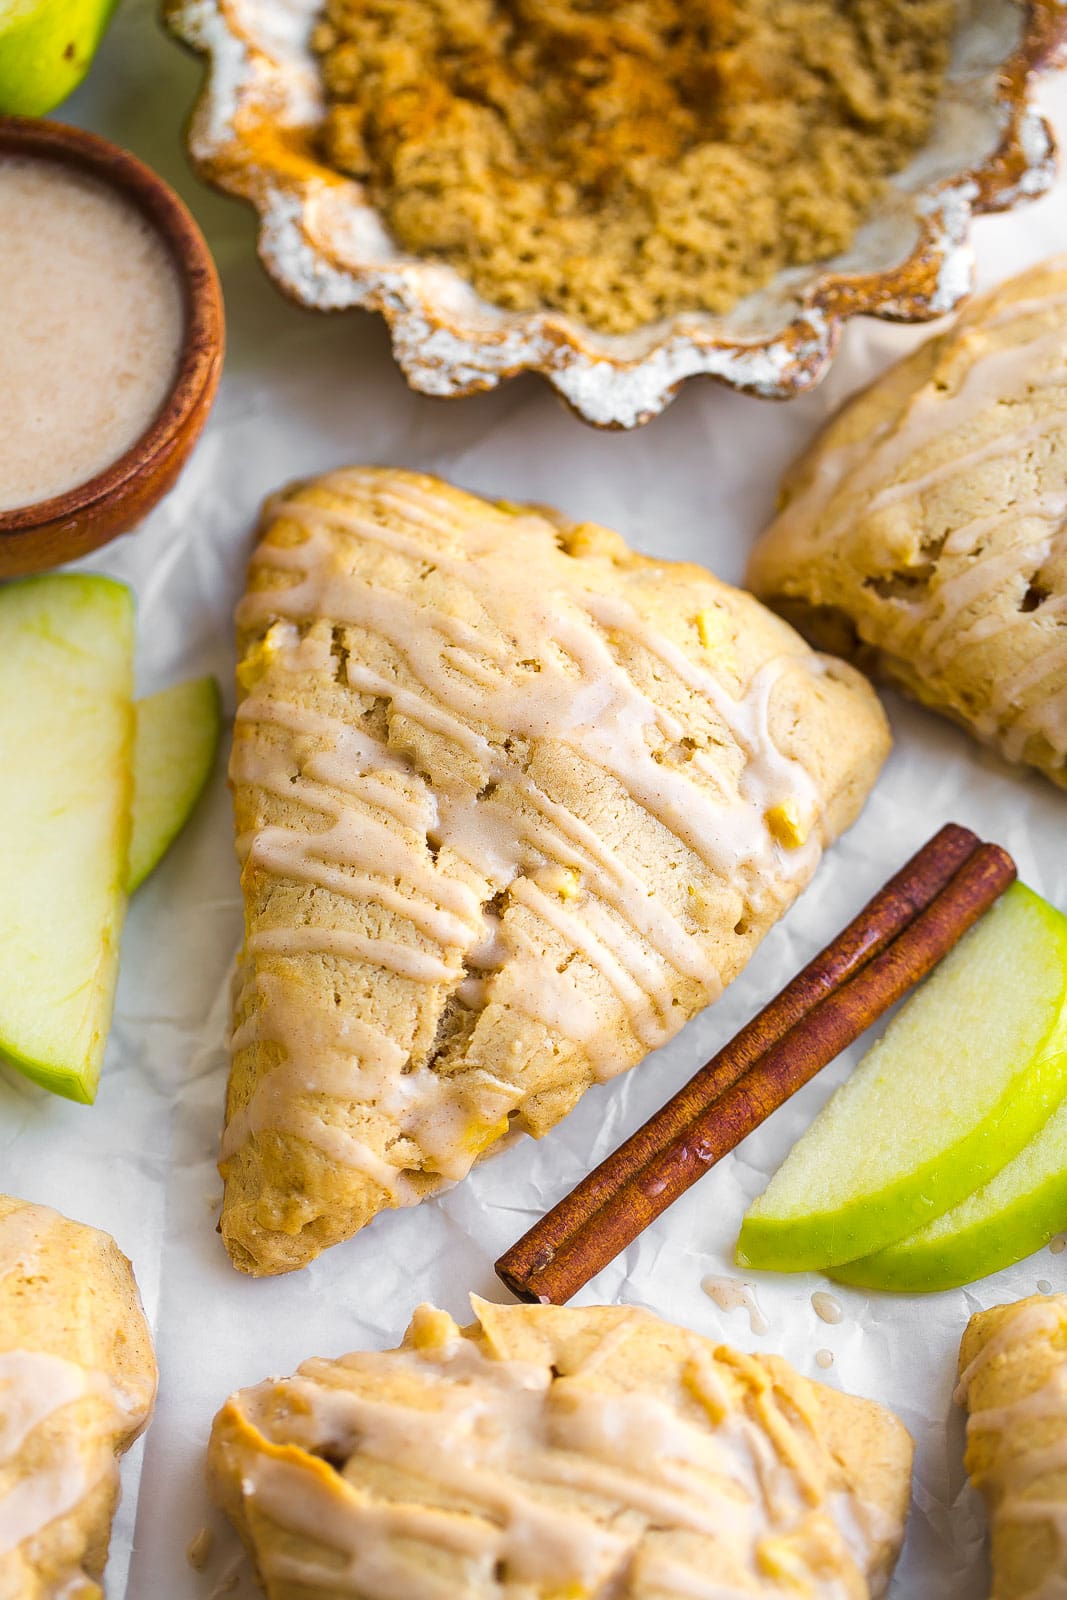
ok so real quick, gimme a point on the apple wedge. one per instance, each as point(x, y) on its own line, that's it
point(1016, 1213)
point(66, 740)
point(177, 734)
point(46, 48)
point(968, 1071)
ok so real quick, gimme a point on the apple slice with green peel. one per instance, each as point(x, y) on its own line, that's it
point(972, 1066)
point(46, 48)
point(1016, 1213)
point(66, 743)
point(173, 754)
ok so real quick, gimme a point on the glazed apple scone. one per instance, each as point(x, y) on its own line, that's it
point(77, 1386)
point(925, 532)
point(513, 803)
point(550, 1451)
point(1013, 1381)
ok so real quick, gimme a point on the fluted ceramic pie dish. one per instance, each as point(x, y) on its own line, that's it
point(253, 134)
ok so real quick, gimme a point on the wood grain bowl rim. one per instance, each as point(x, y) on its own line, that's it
point(250, 134)
point(203, 335)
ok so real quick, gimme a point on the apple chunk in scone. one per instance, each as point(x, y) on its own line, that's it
point(513, 803)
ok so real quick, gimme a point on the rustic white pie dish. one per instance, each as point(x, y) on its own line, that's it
point(252, 134)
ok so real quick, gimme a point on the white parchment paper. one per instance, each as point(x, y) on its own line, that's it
point(302, 393)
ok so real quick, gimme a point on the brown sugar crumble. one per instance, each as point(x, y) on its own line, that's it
point(622, 160)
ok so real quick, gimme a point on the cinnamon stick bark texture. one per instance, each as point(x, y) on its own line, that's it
point(908, 927)
point(880, 921)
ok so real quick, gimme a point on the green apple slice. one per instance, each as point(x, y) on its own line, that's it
point(966, 1073)
point(173, 754)
point(46, 48)
point(66, 738)
point(1016, 1213)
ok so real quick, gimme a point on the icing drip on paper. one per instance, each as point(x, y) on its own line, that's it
point(826, 1307)
point(371, 830)
point(730, 1294)
point(557, 1482)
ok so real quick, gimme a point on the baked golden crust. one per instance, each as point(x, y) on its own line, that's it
point(626, 162)
point(550, 1451)
point(1013, 1381)
point(925, 532)
point(513, 804)
point(77, 1386)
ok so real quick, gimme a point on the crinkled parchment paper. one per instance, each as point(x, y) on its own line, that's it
point(302, 393)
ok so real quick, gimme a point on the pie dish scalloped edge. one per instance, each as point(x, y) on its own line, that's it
point(252, 133)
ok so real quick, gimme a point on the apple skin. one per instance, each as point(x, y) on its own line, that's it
point(66, 735)
point(175, 743)
point(869, 1222)
point(1016, 1213)
point(46, 48)
point(70, 1083)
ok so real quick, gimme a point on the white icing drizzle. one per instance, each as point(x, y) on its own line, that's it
point(35, 1386)
point(372, 830)
point(344, 1059)
point(32, 1386)
point(867, 463)
point(1027, 1319)
point(1016, 1477)
point(1028, 698)
point(451, 1462)
point(402, 959)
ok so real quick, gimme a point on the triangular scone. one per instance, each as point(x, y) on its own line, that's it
point(551, 1451)
point(924, 533)
point(513, 803)
point(77, 1385)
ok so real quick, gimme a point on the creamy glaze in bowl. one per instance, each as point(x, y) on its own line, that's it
point(72, 520)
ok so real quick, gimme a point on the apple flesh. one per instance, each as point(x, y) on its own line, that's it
point(66, 738)
point(1016, 1213)
point(969, 1070)
point(176, 737)
point(46, 48)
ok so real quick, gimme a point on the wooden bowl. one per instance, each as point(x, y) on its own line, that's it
point(68, 525)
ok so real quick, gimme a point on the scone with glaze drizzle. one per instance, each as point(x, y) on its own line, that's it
point(1013, 1381)
point(549, 1452)
point(513, 803)
point(77, 1386)
point(925, 532)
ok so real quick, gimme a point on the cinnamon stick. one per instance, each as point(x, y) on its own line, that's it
point(895, 941)
point(896, 904)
